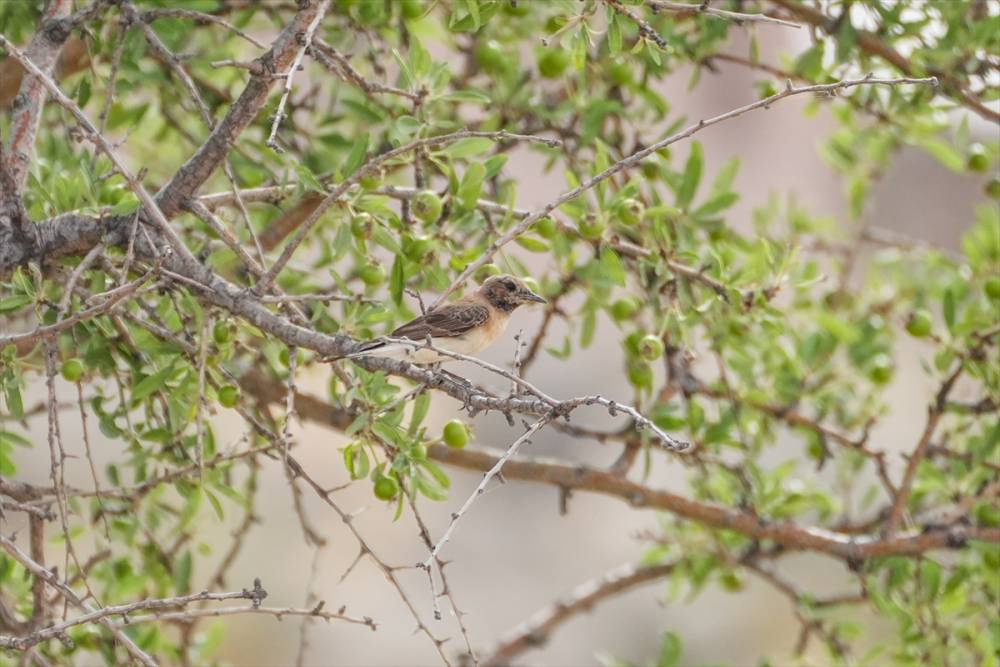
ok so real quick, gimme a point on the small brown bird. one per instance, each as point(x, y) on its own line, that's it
point(465, 326)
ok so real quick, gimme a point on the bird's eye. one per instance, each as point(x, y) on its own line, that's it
point(509, 284)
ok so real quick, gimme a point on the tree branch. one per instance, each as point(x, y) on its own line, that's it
point(44, 51)
point(704, 8)
point(213, 152)
point(536, 631)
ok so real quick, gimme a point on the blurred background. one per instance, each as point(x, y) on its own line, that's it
point(514, 553)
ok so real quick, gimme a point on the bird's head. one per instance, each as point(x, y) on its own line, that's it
point(507, 292)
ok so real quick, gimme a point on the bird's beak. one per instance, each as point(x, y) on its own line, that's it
point(528, 295)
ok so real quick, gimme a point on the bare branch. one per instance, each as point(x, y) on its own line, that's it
point(536, 631)
point(151, 15)
point(55, 631)
point(44, 51)
point(213, 152)
point(337, 63)
point(481, 488)
point(704, 8)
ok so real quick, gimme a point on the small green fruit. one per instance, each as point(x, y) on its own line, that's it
point(221, 333)
point(977, 160)
point(630, 211)
point(361, 225)
point(372, 274)
point(72, 369)
point(411, 9)
point(516, 7)
point(371, 13)
point(993, 188)
point(640, 375)
point(418, 452)
point(625, 308)
point(731, 581)
point(992, 288)
point(880, 371)
point(490, 56)
point(229, 395)
point(455, 434)
point(920, 324)
point(651, 347)
point(416, 247)
point(546, 228)
point(553, 62)
point(619, 73)
point(386, 488)
point(591, 227)
point(632, 343)
point(427, 206)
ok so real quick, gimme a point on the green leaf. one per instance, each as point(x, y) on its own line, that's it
point(435, 470)
point(670, 650)
point(397, 280)
point(692, 176)
point(614, 32)
point(16, 302)
point(356, 460)
point(151, 383)
point(308, 178)
point(473, 7)
point(588, 328)
point(948, 308)
point(468, 147)
point(421, 405)
point(182, 573)
point(429, 488)
point(930, 578)
point(716, 204)
point(471, 186)
point(128, 205)
point(14, 403)
point(357, 155)
point(810, 63)
point(532, 244)
point(611, 266)
point(473, 96)
point(943, 153)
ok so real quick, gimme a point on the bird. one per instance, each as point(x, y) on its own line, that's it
point(466, 326)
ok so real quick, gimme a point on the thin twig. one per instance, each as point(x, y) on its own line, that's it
point(306, 40)
point(704, 8)
point(481, 488)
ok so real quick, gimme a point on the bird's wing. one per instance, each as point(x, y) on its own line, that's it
point(450, 320)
